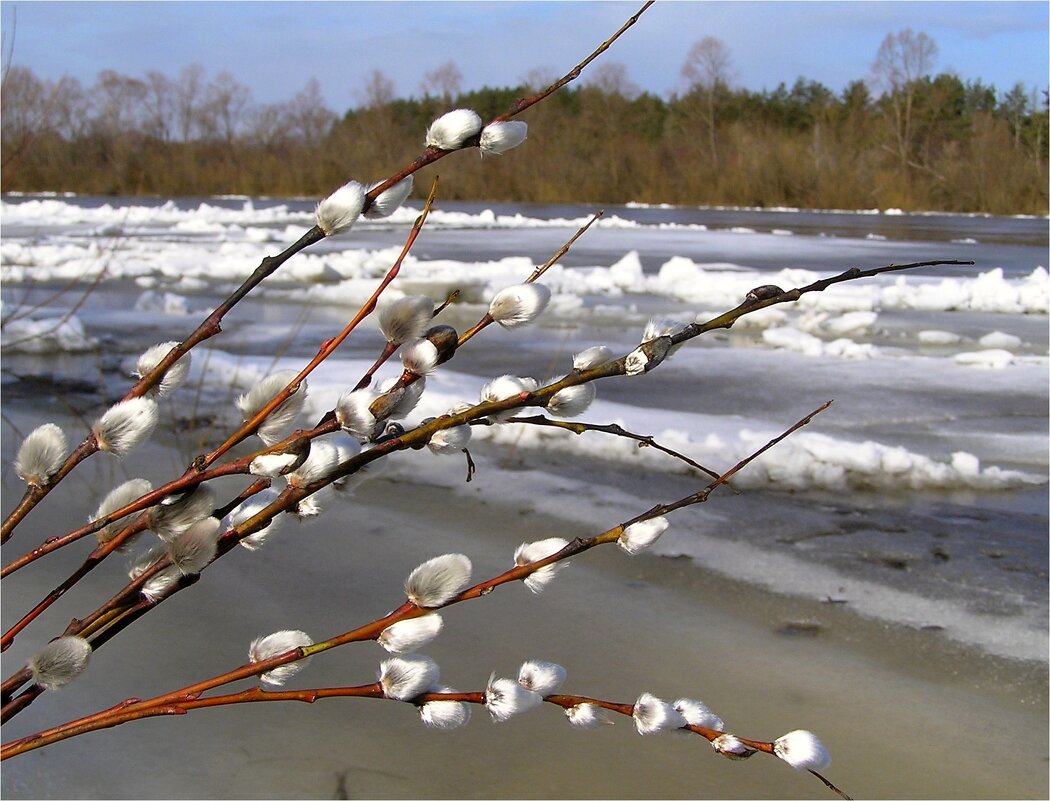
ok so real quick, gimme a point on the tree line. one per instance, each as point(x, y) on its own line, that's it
point(903, 137)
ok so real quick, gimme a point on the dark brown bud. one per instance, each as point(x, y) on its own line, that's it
point(445, 339)
point(764, 292)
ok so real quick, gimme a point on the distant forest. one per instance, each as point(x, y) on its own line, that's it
point(902, 138)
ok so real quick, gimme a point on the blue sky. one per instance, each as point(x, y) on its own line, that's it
point(275, 47)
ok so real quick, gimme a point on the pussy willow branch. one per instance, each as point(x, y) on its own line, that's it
point(212, 324)
point(655, 351)
point(197, 474)
point(125, 714)
point(372, 630)
point(183, 700)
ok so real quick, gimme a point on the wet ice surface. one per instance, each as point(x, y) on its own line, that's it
point(920, 496)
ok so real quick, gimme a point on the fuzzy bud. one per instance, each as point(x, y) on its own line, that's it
point(353, 413)
point(519, 305)
point(445, 339)
point(437, 581)
point(405, 319)
point(176, 513)
point(639, 536)
point(60, 661)
point(396, 404)
point(118, 498)
point(322, 461)
point(637, 361)
point(587, 716)
point(172, 377)
point(263, 648)
point(405, 677)
point(696, 713)
point(542, 678)
point(444, 714)
point(505, 698)
point(504, 388)
point(249, 509)
point(337, 212)
point(451, 131)
point(41, 454)
point(571, 401)
point(389, 201)
point(652, 716)
point(592, 357)
point(449, 440)
point(730, 747)
point(125, 425)
point(529, 552)
point(802, 750)
point(410, 635)
point(277, 423)
point(192, 550)
point(420, 357)
point(272, 465)
point(499, 137)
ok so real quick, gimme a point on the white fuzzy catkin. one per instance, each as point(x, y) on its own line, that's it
point(587, 716)
point(591, 357)
point(503, 388)
point(529, 552)
point(407, 397)
point(519, 305)
point(125, 425)
point(323, 459)
point(41, 454)
point(444, 714)
point(652, 715)
point(337, 212)
point(437, 581)
point(499, 137)
point(192, 550)
point(452, 129)
point(730, 747)
point(405, 319)
point(263, 648)
point(405, 677)
point(272, 465)
point(118, 498)
point(172, 377)
point(249, 509)
point(802, 750)
point(410, 635)
point(353, 414)
point(277, 423)
point(542, 678)
point(636, 362)
point(60, 661)
point(449, 440)
point(696, 713)
point(421, 357)
point(505, 698)
point(159, 586)
point(639, 536)
point(390, 200)
point(175, 514)
point(571, 401)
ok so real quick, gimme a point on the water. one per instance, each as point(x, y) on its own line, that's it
point(920, 497)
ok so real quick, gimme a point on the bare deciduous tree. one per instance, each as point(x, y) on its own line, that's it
point(902, 60)
point(377, 91)
point(707, 71)
point(443, 82)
